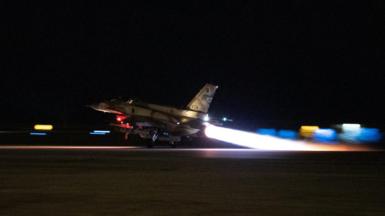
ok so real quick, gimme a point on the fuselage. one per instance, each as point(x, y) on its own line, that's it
point(179, 122)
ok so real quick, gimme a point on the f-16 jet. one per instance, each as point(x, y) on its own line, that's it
point(157, 122)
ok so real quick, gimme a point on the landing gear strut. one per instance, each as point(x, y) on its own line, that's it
point(154, 138)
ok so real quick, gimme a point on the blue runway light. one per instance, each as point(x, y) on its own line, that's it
point(267, 131)
point(325, 135)
point(363, 135)
point(288, 134)
point(99, 134)
point(351, 137)
point(102, 131)
point(38, 134)
point(369, 135)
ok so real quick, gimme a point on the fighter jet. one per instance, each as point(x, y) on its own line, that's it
point(157, 122)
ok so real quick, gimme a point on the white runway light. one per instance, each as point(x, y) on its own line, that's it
point(268, 143)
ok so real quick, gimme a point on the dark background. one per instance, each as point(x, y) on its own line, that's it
point(277, 64)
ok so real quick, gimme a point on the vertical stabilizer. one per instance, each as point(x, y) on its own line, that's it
point(202, 101)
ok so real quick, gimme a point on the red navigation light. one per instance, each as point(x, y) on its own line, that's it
point(120, 118)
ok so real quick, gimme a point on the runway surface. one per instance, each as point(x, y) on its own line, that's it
point(107, 180)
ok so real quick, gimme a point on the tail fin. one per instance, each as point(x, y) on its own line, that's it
point(202, 100)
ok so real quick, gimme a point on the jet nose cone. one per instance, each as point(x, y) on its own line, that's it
point(92, 106)
point(98, 106)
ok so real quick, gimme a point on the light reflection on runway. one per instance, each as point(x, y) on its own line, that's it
point(52, 147)
point(133, 152)
point(138, 148)
point(165, 149)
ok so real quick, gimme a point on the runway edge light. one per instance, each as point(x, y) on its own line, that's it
point(43, 127)
point(307, 131)
point(267, 131)
point(370, 135)
point(287, 134)
point(325, 135)
point(100, 132)
point(38, 134)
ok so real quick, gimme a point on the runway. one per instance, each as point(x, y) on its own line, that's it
point(118, 180)
point(189, 152)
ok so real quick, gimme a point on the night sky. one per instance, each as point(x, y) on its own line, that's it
point(277, 63)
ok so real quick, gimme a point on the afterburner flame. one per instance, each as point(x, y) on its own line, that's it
point(269, 143)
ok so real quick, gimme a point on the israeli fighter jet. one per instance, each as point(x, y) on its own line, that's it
point(160, 123)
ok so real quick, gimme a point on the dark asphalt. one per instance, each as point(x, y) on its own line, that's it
point(136, 181)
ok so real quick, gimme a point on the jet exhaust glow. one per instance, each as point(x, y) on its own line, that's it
point(269, 143)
